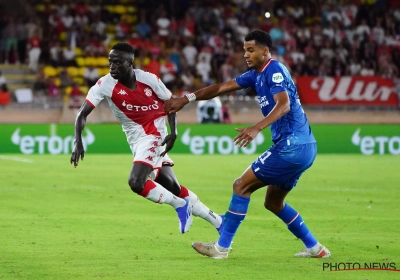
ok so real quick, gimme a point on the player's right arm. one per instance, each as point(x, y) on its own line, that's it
point(175, 104)
point(80, 121)
point(93, 98)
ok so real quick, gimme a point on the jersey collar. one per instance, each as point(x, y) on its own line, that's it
point(266, 64)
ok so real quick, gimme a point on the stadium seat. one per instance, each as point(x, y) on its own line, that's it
point(80, 61)
point(79, 80)
point(110, 8)
point(40, 8)
point(63, 36)
point(120, 9)
point(57, 82)
point(68, 90)
point(102, 61)
point(90, 60)
point(78, 51)
point(103, 71)
point(81, 71)
point(84, 89)
point(131, 9)
point(50, 71)
point(72, 71)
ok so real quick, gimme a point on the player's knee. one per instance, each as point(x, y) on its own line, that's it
point(136, 184)
point(237, 187)
point(272, 206)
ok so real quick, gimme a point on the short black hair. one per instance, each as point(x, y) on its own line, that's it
point(261, 38)
point(124, 47)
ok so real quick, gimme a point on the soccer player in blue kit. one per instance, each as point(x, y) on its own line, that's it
point(280, 167)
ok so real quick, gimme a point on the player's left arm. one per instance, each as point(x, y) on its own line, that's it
point(169, 140)
point(282, 107)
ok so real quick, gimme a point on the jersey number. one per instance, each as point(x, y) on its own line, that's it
point(262, 159)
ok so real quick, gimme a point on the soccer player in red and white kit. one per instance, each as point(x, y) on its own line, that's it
point(136, 98)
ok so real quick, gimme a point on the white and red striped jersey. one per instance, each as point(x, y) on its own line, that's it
point(140, 111)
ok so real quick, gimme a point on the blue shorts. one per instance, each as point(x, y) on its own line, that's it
point(283, 164)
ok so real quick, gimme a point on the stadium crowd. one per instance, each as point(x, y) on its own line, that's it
point(192, 43)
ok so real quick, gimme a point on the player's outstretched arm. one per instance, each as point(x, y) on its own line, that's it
point(246, 135)
point(175, 104)
point(80, 121)
point(170, 139)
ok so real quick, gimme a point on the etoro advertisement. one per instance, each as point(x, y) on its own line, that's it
point(194, 139)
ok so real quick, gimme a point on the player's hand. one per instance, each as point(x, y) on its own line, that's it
point(170, 141)
point(245, 136)
point(77, 153)
point(175, 104)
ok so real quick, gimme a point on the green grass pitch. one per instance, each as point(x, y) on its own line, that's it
point(57, 222)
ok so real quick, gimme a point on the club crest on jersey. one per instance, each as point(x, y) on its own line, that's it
point(277, 77)
point(148, 92)
point(122, 92)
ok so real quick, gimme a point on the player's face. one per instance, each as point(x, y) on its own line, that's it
point(255, 55)
point(120, 64)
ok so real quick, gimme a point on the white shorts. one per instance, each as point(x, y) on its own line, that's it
point(147, 151)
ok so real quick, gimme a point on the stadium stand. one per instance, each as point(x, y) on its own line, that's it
point(312, 38)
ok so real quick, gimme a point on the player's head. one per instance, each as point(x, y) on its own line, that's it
point(257, 45)
point(121, 60)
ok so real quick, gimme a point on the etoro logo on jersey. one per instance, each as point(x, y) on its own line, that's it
point(137, 108)
point(383, 144)
point(54, 144)
point(212, 144)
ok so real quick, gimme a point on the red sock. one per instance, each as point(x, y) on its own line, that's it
point(147, 188)
point(184, 192)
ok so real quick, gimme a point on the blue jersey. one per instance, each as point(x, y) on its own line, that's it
point(275, 78)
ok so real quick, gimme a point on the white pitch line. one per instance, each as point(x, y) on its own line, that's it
point(17, 159)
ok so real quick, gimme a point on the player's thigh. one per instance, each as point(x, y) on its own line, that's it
point(283, 165)
point(247, 183)
point(140, 172)
point(147, 152)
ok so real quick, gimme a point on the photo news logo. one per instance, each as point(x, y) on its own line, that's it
point(346, 266)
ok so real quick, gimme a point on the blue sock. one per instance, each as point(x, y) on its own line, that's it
point(297, 226)
point(233, 217)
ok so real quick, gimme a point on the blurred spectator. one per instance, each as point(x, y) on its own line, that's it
point(122, 29)
point(226, 115)
point(90, 75)
point(163, 25)
point(11, 42)
point(75, 97)
point(203, 69)
point(143, 28)
point(52, 89)
point(168, 71)
point(56, 54)
point(40, 86)
point(189, 52)
point(22, 37)
point(65, 78)
point(187, 79)
point(4, 95)
point(68, 55)
point(3, 80)
point(34, 52)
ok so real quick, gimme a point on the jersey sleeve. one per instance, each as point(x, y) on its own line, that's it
point(246, 80)
point(95, 94)
point(157, 85)
point(276, 78)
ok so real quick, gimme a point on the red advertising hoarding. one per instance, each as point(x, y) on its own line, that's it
point(351, 90)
